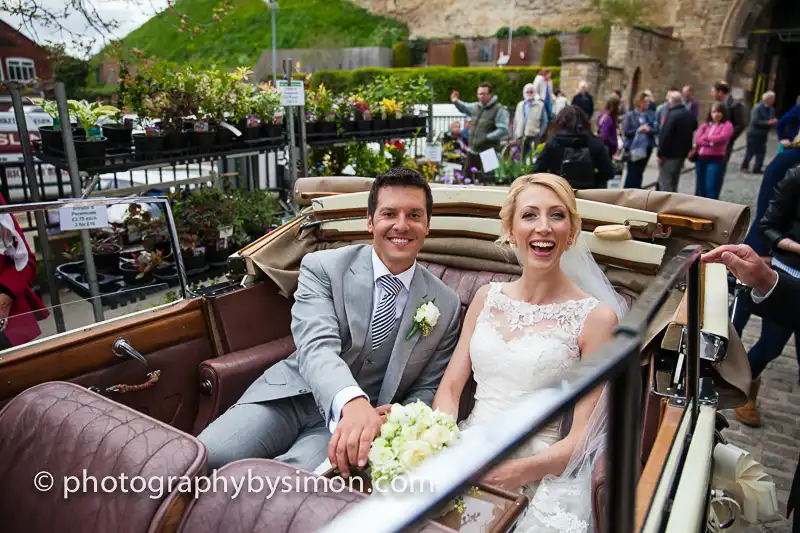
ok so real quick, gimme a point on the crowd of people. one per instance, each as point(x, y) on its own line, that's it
point(563, 135)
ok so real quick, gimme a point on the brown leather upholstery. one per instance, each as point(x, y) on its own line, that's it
point(230, 375)
point(252, 316)
point(65, 430)
point(599, 496)
point(267, 511)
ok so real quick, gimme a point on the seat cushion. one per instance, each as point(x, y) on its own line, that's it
point(66, 430)
point(271, 510)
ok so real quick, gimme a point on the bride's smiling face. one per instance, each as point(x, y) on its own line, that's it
point(541, 227)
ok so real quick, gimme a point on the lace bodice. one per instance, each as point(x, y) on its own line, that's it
point(518, 347)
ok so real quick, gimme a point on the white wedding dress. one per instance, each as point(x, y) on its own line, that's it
point(517, 348)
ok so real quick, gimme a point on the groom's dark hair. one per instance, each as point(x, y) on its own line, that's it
point(399, 177)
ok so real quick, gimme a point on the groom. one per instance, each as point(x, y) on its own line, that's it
point(353, 313)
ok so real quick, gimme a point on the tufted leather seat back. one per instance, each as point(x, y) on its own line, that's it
point(66, 430)
point(272, 510)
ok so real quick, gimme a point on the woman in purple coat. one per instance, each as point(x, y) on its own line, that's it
point(607, 124)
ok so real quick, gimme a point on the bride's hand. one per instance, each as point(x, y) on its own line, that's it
point(505, 475)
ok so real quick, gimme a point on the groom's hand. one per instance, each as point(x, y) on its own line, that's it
point(359, 425)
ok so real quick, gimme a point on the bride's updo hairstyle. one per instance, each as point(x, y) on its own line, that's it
point(557, 184)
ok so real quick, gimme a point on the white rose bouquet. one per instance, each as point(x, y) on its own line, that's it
point(411, 434)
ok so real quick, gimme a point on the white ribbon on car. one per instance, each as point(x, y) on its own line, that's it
point(740, 476)
point(11, 242)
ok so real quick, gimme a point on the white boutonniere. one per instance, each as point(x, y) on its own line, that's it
point(425, 318)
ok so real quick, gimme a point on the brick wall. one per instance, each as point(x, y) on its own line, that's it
point(15, 45)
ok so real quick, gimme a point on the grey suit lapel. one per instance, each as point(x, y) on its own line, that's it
point(358, 293)
point(402, 347)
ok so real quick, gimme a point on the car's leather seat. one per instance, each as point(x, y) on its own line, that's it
point(300, 505)
point(66, 430)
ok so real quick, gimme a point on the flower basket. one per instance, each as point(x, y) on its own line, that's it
point(204, 140)
point(52, 142)
point(118, 135)
point(175, 140)
point(147, 146)
point(90, 153)
point(130, 274)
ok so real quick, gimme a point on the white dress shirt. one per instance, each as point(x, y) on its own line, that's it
point(378, 270)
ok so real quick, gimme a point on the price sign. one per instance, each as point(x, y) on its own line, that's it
point(83, 217)
point(292, 92)
point(433, 152)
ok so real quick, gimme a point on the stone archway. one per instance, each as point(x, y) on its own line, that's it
point(740, 20)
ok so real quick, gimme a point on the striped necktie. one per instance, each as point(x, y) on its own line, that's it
point(385, 315)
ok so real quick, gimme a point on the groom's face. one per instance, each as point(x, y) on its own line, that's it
point(399, 226)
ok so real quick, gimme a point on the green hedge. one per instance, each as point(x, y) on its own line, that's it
point(401, 55)
point(551, 53)
point(458, 55)
point(507, 82)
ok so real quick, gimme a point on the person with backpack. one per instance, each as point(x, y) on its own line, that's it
point(574, 153)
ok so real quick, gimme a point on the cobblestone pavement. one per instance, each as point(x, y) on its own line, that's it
point(776, 445)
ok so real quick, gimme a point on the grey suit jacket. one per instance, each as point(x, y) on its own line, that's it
point(330, 321)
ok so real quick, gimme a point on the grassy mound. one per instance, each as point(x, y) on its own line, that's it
point(241, 35)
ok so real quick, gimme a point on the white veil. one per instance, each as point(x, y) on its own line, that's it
point(563, 503)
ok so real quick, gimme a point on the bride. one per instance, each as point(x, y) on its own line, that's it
point(520, 336)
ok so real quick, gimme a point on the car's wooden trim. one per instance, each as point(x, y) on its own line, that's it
point(82, 351)
point(651, 475)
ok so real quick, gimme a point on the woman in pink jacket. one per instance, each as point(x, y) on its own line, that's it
point(711, 143)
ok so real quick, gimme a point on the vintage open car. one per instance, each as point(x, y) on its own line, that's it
point(128, 395)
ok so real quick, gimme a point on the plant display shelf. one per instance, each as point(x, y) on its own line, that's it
point(122, 159)
point(330, 139)
point(115, 292)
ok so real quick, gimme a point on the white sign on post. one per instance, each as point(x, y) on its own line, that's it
point(433, 152)
point(292, 92)
point(489, 160)
point(83, 217)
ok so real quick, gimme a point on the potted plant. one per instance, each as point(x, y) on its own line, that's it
point(266, 104)
point(90, 150)
point(257, 213)
point(135, 92)
point(141, 270)
point(217, 103)
point(106, 248)
point(52, 141)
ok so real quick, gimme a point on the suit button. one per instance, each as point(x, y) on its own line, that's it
point(303, 391)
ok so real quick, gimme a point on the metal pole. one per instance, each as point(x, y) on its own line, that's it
point(287, 76)
point(693, 344)
point(41, 223)
point(622, 453)
point(77, 192)
point(430, 116)
point(303, 146)
point(274, 7)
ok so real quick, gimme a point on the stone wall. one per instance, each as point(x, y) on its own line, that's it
point(426, 18)
point(656, 57)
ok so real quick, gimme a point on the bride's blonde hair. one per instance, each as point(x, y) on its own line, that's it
point(557, 184)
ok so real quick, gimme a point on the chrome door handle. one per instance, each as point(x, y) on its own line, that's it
point(123, 349)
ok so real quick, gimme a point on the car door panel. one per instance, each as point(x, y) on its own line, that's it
point(173, 340)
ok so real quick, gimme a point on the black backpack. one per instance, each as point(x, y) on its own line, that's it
point(577, 167)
